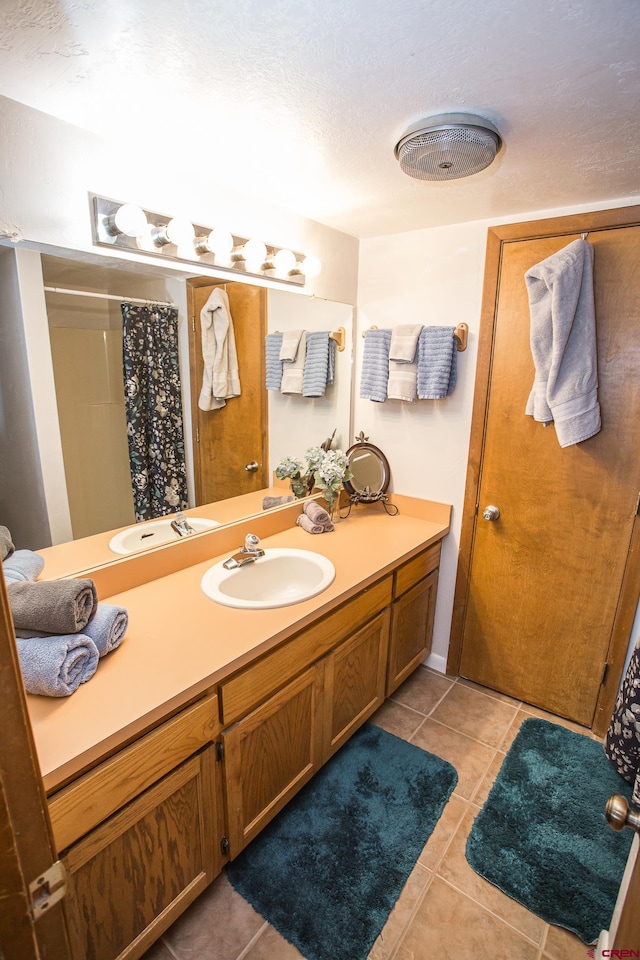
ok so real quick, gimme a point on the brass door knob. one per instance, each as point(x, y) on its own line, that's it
point(619, 814)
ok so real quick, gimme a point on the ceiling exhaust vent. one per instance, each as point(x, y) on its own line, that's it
point(448, 147)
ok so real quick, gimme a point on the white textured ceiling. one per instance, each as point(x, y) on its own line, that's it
point(302, 101)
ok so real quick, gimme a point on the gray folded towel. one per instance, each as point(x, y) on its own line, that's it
point(268, 502)
point(375, 365)
point(55, 606)
point(293, 370)
point(107, 627)
point(318, 515)
point(404, 342)
point(273, 342)
point(307, 524)
point(6, 543)
point(437, 363)
point(22, 565)
point(317, 364)
point(56, 666)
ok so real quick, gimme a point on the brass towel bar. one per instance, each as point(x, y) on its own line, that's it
point(461, 333)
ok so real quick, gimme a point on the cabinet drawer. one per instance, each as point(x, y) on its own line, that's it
point(86, 802)
point(416, 569)
point(250, 687)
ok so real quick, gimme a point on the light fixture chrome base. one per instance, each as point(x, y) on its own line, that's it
point(448, 147)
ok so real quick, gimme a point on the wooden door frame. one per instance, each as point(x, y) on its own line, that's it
point(26, 839)
point(497, 237)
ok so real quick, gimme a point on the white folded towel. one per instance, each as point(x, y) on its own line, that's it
point(293, 370)
point(404, 342)
point(220, 378)
point(290, 344)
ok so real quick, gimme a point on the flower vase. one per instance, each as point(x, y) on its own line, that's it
point(332, 501)
point(298, 489)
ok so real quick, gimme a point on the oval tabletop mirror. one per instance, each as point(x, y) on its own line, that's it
point(370, 473)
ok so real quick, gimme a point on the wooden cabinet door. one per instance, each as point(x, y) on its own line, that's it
point(355, 678)
point(226, 440)
point(270, 754)
point(411, 630)
point(132, 876)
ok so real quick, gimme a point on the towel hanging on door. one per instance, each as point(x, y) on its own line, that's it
point(220, 379)
point(563, 343)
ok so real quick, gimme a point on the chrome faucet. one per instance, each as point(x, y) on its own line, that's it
point(249, 553)
point(181, 525)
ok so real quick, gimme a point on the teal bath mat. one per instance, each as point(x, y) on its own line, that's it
point(542, 837)
point(328, 870)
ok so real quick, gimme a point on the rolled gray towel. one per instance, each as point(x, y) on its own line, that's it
point(55, 606)
point(6, 543)
point(307, 524)
point(318, 514)
point(107, 627)
point(22, 565)
point(268, 502)
point(56, 666)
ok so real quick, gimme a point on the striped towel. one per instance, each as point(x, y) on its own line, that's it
point(375, 365)
point(318, 368)
point(273, 342)
point(437, 363)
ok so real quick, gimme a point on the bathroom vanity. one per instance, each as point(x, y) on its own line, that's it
point(207, 720)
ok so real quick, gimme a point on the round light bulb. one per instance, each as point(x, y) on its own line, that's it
point(180, 232)
point(284, 261)
point(130, 220)
point(220, 243)
point(311, 267)
point(254, 253)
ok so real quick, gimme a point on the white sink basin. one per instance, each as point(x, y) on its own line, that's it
point(152, 533)
point(278, 579)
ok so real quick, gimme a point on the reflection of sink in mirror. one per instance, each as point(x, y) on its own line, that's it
point(153, 533)
point(280, 578)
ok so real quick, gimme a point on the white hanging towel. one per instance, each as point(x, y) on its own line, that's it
point(563, 343)
point(220, 378)
point(293, 370)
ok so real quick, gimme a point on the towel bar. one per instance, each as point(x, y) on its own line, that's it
point(339, 336)
point(461, 334)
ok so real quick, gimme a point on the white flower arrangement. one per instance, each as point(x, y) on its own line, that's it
point(325, 469)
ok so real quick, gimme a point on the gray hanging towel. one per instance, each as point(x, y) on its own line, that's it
point(563, 343)
point(437, 363)
point(375, 365)
point(273, 342)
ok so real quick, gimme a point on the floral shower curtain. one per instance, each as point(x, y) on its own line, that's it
point(153, 405)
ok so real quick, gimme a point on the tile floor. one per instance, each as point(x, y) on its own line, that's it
point(445, 911)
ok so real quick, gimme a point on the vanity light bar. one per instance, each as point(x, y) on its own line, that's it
point(126, 226)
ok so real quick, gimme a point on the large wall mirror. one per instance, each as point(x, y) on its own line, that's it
point(73, 355)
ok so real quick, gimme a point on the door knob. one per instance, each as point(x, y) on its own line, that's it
point(252, 467)
point(491, 513)
point(619, 814)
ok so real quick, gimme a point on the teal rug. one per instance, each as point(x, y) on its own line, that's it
point(328, 870)
point(542, 837)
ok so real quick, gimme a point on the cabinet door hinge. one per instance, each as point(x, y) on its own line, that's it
point(197, 434)
point(219, 750)
point(604, 672)
point(50, 887)
point(193, 323)
point(224, 846)
point(638, 506)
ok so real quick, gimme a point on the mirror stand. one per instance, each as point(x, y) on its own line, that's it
point(370, 476)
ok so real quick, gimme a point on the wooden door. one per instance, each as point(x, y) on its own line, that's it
point(225, 441)
point(541, 596)
point(26, 847)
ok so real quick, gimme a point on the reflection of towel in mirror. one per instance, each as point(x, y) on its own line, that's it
point(55, 606)
point(56, 666)
point(437, 363)
point(6, 544)
point(22, 565)
point(268, 502)
point(272, 344)
point(293, 370)
point(319, 364)
point(375, 365)
point(290, 344)
point(563, 343)
point(220, 378)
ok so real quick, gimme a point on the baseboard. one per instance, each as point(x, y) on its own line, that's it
point(436, 662)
